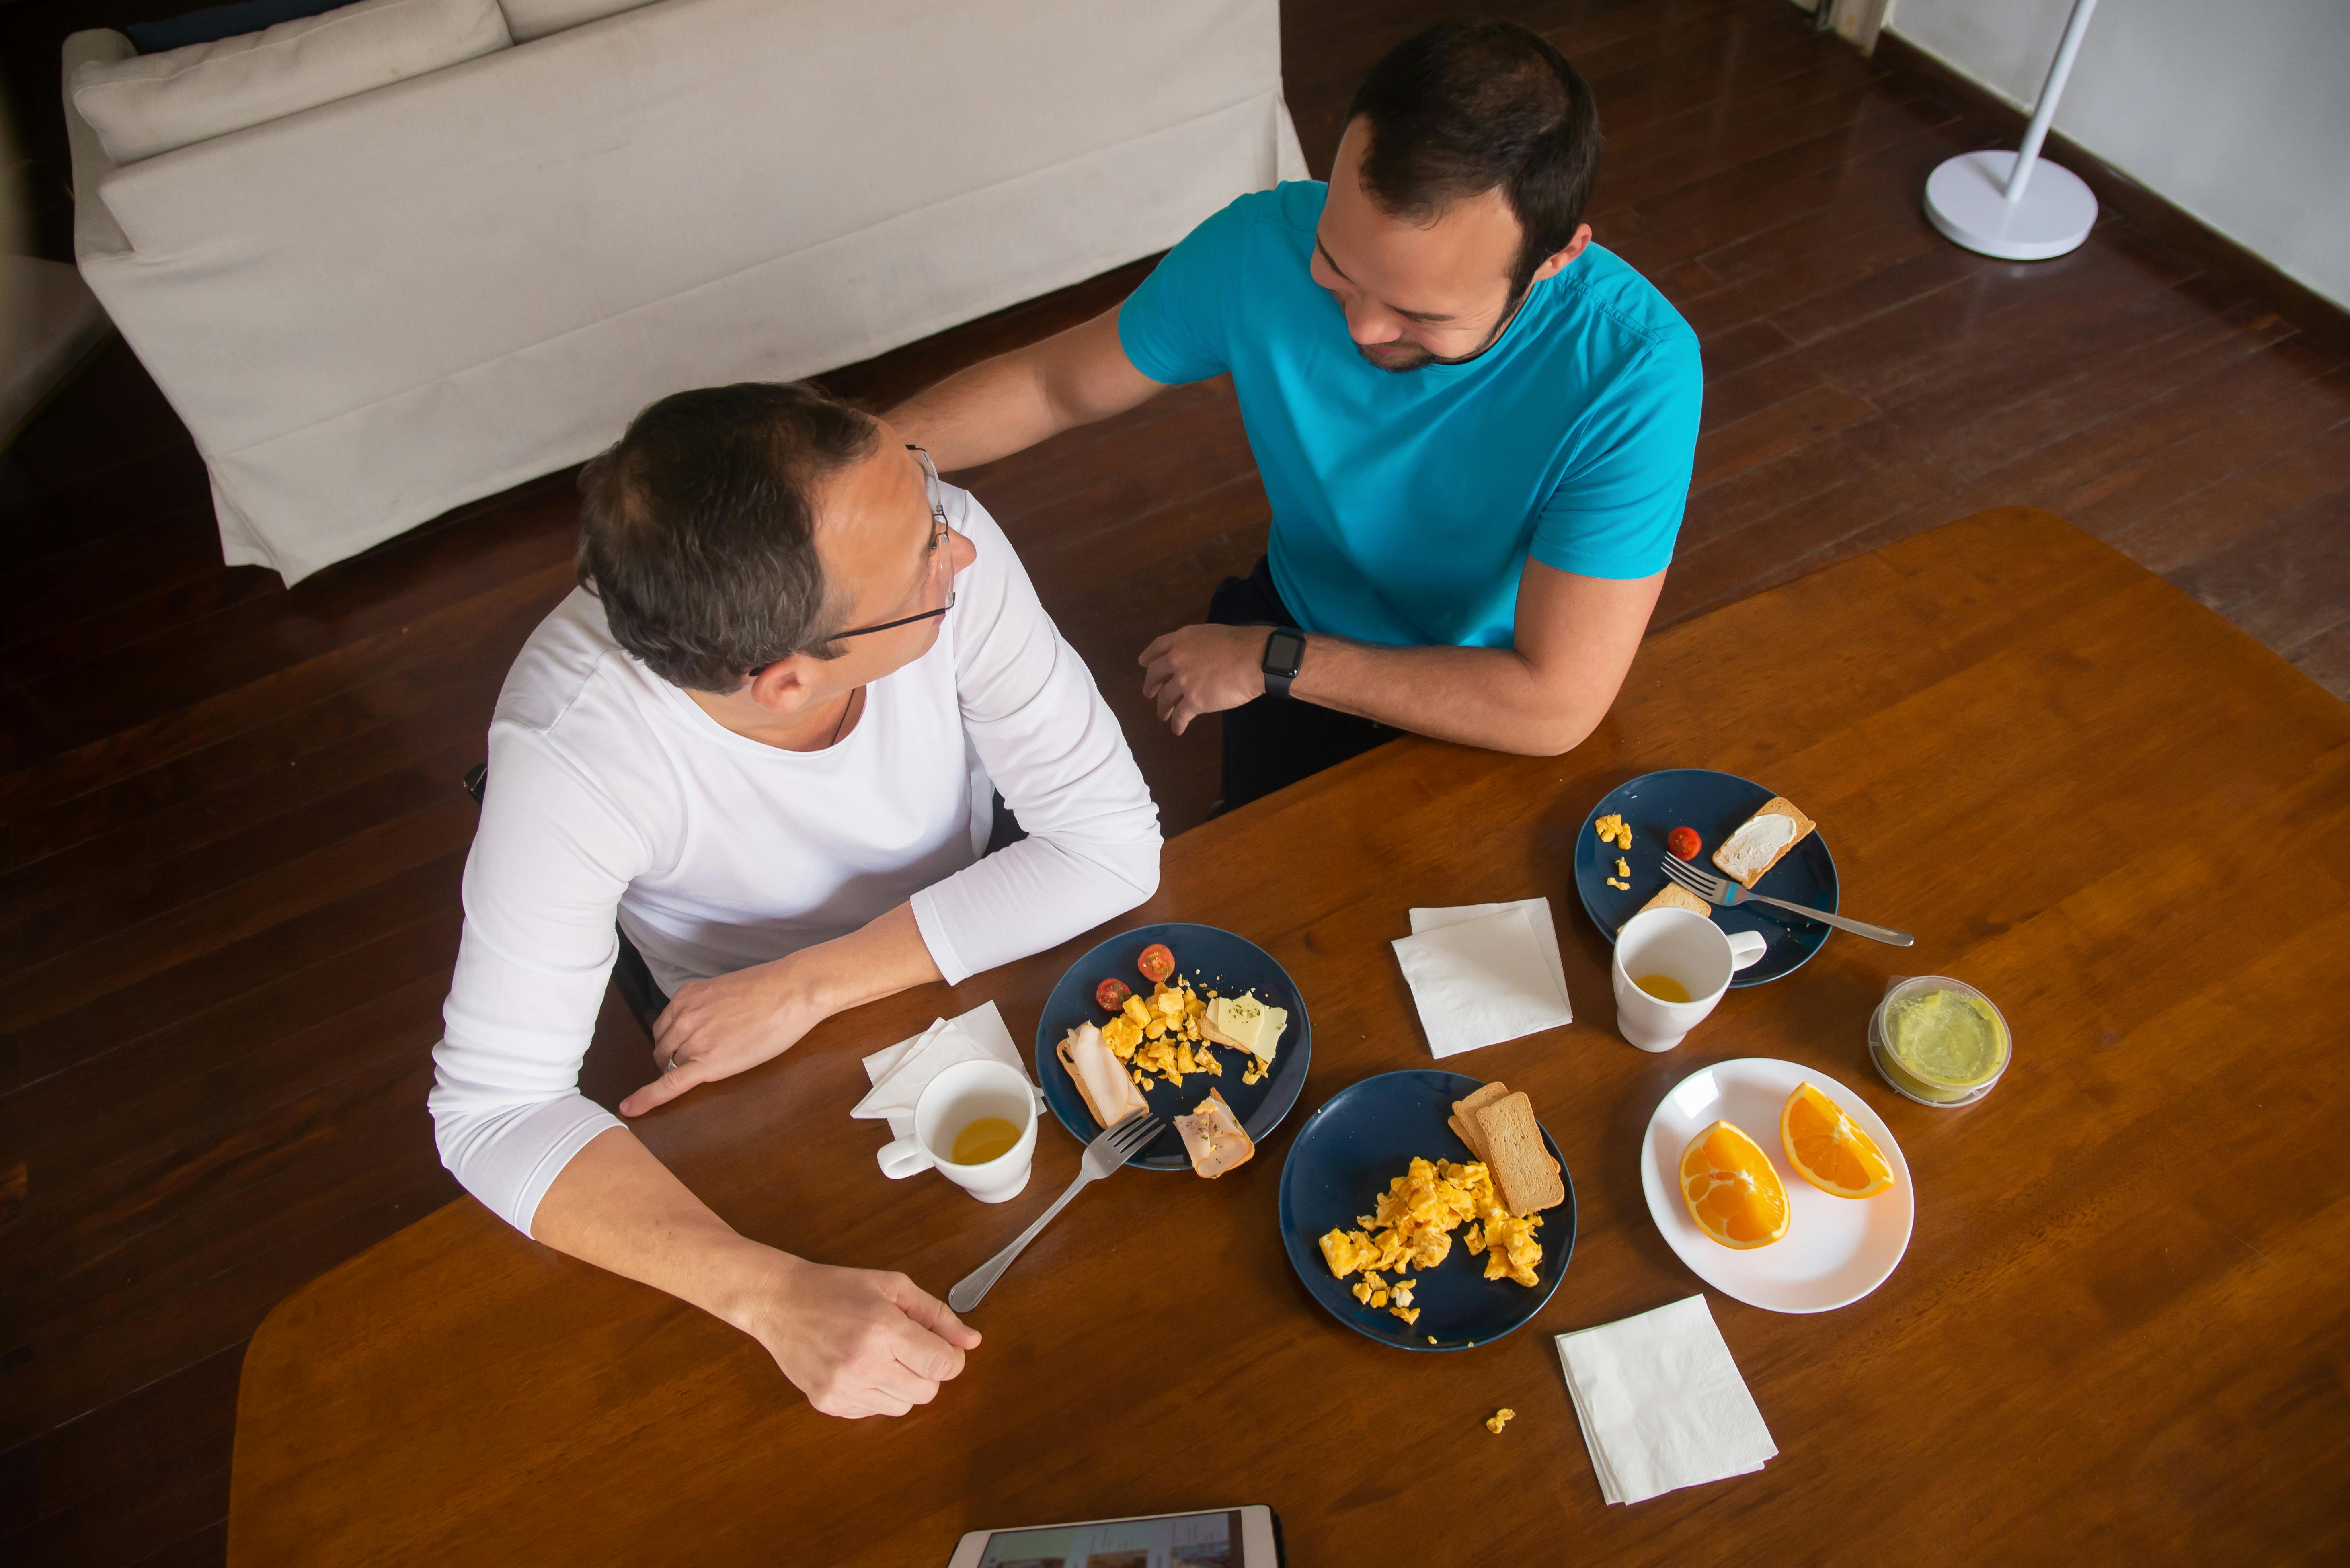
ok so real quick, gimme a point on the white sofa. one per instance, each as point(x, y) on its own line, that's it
point(376, 308)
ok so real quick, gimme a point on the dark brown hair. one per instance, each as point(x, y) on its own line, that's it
point(1470, 106)
point(697, 530)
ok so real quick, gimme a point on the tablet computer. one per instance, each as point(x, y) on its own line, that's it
point(1218, 1538)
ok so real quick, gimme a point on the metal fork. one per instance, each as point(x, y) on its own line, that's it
point(1728, 895)
point(1107, 1153)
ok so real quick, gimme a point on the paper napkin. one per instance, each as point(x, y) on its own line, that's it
point(1661, 1403)
point(1537, 911)
point(899, 1072)
point(1484, 974)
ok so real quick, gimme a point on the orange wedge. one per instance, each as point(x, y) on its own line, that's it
point(1827, 1148)
point(1732, 1191)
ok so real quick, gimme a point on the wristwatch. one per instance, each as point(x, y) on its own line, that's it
point(1285, 650)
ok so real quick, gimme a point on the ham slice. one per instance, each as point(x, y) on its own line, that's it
point(1101, 1079)
point(1212, 1137)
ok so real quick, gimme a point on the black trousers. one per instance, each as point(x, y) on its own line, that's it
point(1273, 741)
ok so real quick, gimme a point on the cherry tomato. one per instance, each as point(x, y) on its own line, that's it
point(1684, 843)
point(1110, 995)
point(1156, 962)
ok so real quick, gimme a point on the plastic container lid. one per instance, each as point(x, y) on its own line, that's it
point(1944, 1084)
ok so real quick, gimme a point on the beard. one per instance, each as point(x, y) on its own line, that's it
point(1399, 359)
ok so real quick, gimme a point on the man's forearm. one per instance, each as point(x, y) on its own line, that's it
point(1487, 696)
point(858, 1342)
point(620, 1208)
point(1011, 403)
point(881, 958)
point(992, 410)
point(1575, 641)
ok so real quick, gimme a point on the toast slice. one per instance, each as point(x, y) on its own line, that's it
point(1464, 1117)
point(1673, 896)
point(1462, 1121)
point(1078, 1053)
point(1748, 854)
point(1213, 1139)
point(1524, 1176)
point(1462, 1134)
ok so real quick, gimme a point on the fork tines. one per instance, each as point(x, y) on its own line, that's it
point(1135, 1131)
point(1706, 887)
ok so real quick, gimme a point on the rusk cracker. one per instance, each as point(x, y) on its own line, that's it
point(1748, 864)
point(1522, 1173)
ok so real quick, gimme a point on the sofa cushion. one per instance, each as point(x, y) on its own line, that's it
point(152, 103)
point(216, 21)
point(528, 19)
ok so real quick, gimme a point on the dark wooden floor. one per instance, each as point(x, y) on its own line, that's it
point(228, 880)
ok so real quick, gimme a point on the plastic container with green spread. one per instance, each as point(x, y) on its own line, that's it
point(1939, 1041)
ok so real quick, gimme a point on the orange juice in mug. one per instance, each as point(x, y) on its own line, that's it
point(1672, 966)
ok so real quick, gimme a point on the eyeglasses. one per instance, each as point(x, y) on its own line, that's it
point(939, 548)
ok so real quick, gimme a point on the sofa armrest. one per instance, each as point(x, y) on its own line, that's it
point(95, 230)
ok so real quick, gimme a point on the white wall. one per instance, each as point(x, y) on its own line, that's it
point(2239, 113)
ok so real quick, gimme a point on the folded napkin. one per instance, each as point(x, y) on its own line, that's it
point(1484, 974)
point(900, 1072)
point(1661, 1403)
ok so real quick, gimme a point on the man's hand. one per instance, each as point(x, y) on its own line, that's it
point(1202, 670)
point(858, 1342)
point(714, 1029)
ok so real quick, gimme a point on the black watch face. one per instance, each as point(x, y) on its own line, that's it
point(1282, 651)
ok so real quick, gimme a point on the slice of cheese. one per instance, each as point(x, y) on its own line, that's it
point(1247, 1022)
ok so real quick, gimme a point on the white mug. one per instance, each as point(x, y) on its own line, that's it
point(1690, 949)
point(952, 1101)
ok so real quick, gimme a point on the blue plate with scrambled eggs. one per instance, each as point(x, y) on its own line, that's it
point(1344, 1157)
point(1210, 959)
point(1713, 804)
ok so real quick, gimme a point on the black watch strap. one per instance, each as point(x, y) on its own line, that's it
point(1284, 651)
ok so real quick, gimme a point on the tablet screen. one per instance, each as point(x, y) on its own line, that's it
point(1181, 1540)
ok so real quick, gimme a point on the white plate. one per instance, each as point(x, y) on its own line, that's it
point(1836, 1251)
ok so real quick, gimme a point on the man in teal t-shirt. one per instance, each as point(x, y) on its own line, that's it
point(1475, 428)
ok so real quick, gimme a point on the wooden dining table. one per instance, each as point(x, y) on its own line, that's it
point(2121, 1330)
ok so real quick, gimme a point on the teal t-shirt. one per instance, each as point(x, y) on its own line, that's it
point(1405, 504)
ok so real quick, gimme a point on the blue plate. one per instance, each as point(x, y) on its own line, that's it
point(1210, 960)
point(1714, 804)
point(1363, 1137)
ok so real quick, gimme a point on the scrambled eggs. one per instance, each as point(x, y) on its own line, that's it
point(1413, 1226)
point(1377, 1292)
point(1611, 830)
point(1161, 1033)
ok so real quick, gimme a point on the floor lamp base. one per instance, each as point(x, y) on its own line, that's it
point(1966, 198)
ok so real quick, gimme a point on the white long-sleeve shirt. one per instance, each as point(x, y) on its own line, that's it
point(611, 793)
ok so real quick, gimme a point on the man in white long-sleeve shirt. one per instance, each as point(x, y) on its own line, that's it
point(765, 736)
